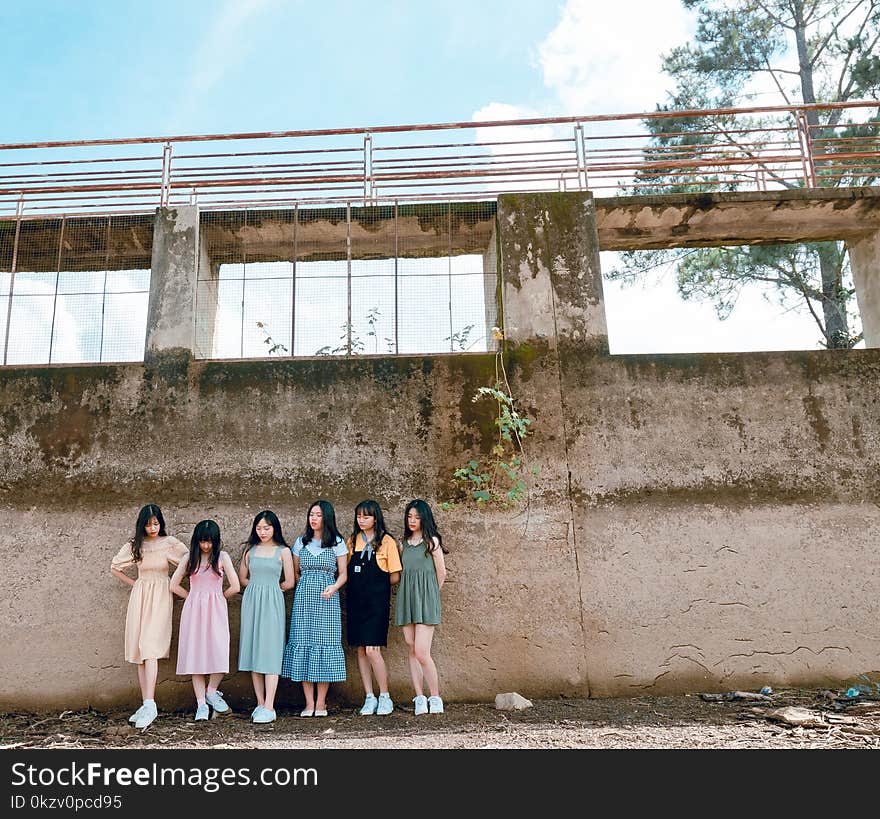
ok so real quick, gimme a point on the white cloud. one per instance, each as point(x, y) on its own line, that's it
point(544, 154)
point(605, 57)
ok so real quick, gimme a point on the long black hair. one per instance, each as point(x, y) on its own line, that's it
point(205, 530)
point(272, 519)
point(330, 533)
point(140, 529)
point(370, 507)
point(429, 526)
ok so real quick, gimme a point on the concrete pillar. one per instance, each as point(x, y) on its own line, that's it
point(551, 278)
point(864, 258)
point(554, 323)
point(173, 282)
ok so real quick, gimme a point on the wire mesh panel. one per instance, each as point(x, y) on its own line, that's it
point(33, 292)
point(126, 287)
point(425, 266)
point(220, 285)
point(8, 234)
point(373, 280)
point(346, 281)
point(72, 298)
point(322, 281)
point(474, 278)
point(77, 320)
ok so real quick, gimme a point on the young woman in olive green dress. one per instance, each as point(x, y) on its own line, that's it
point(418, 600)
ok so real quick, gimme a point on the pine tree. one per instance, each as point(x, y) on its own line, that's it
point(811, 51)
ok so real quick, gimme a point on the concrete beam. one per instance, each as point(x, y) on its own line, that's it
point(714, 219)
point(864, 257)
point(321, 234)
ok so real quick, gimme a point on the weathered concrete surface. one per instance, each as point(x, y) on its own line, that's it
point(719, 596)
point(725, 511)
point(174, 277)
point(864, 256)
point(706, 219)
point(320, 234)
point(84, 447)
point(551, 278)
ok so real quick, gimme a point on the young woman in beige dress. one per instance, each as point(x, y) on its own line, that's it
point(150, 605)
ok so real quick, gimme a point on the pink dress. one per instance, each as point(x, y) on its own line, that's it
point(203, 644)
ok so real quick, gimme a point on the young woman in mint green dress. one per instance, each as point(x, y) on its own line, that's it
point(418, 600)
point(261, 634)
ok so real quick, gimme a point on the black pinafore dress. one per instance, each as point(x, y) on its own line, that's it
point(367, 601)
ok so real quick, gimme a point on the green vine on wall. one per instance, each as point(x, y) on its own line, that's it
point(502, 478)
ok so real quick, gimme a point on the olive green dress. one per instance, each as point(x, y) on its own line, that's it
point(418, 597)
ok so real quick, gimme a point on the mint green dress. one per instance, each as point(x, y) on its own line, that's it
point(418, 597)
point(261, 635)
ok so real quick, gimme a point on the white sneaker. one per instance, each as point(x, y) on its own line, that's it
point(385, 706)
point(370, 705)
point(136, 715)
point(264, 715)
point(149, 713)
point(202, 712)
point(421, 702)
point(435, 705)
point(216, 701)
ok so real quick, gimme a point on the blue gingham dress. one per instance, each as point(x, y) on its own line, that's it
point(314, 648)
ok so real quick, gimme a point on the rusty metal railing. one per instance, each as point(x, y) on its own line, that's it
point(726, 149)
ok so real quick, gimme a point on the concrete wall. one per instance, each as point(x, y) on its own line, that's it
point(699, 522)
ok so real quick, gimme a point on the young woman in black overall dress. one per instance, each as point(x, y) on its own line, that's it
point(374, 566)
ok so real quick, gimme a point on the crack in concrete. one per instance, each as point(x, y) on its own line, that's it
point(785, 653)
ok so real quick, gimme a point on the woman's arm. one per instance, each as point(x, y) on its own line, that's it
point(289, 573)
point(439, 563)
point(176, 579)
point(122, 576)
point(395, 578)
point(342, 577)
point(243, 569)
point(234, 586)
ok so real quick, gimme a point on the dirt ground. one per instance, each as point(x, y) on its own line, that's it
point(689, 721)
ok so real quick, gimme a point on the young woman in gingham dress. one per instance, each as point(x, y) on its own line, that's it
point(314, 654)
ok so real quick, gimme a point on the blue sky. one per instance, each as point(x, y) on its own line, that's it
point(96, 68)
point(89, 68)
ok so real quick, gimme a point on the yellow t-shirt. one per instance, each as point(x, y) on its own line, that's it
point(387, 556)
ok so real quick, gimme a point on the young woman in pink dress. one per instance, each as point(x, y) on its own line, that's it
point(203, 644)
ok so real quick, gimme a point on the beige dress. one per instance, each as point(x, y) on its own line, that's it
point(148, 619)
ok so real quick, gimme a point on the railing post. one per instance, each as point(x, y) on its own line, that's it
point(19, 209)
point(368, 168)
point(57, 282)
point(579, 148)
point(396, 277)
point(165, 192)
point(348, 277)
point(806, 145)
